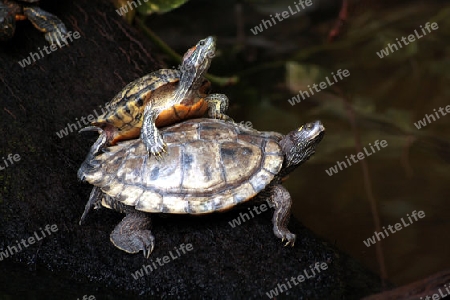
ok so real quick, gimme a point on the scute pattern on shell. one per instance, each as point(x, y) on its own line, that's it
point(211, 165)
point(128, 105)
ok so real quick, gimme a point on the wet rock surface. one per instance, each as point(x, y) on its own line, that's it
point(40, 189)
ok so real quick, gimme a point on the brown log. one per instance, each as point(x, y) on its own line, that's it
point(436, 284)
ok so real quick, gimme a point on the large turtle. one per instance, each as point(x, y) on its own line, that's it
point(162, 98)
point(211, 165)
point(12, 11)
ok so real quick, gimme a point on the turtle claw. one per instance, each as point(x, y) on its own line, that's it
point(149, 249)
point(160, 155)
point(290, 243)
point(131, 234)
point(217, 106)
point(133, 242)
point(57, 35)
point(222, 117)
point(54, 29)
point(158, 148)
point(289, 238)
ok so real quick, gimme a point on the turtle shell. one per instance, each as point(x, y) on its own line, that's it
point(124, 119)
point(211, 165)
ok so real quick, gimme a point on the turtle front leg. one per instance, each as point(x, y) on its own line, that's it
point(281, 199)
point(131, 234)
point(150, 135)
point(54, 29)
point(217, 106)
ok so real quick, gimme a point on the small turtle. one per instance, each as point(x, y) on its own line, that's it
point(162, 98)
point(12, 11)
point(211, 165)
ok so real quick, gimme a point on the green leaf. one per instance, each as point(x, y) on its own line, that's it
point(159, 6)
point(129, 13)
point(299, 76)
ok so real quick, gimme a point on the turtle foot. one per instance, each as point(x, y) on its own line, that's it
point(130, 235)
point(155, 147)
point(217, 106)
point(223, 117)
point(285, 235)
point(134, 242)
point(54, 28)
point(56, 37)
point(158, 150)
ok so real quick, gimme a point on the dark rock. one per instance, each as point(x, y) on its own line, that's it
point(37, 102)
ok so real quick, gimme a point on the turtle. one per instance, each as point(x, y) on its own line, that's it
point(12, 11)
point(161, 98)
point(210, 166)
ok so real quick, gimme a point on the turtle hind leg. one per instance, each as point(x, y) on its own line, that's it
point(217, 106)
point(131, 234)
point(281, 199)
point(150, 135)
point(54, 29)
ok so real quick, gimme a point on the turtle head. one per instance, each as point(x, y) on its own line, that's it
point(299, 145)
point(196, 62)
